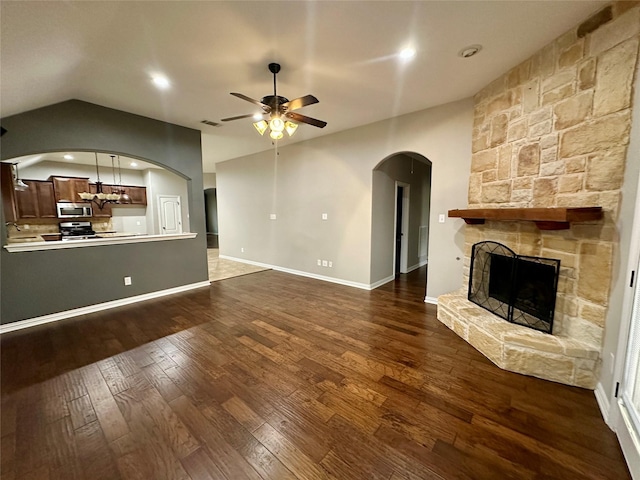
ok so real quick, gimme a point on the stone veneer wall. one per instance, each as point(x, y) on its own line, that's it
point(553, 132)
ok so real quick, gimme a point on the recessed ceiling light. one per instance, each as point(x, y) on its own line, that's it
point(133, 164)
point(257, 116)
point(161, 81)
point(407, 53)
point(68, 157)
point(469, 51)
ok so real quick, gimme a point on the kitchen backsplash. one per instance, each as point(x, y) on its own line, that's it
point(35, 230)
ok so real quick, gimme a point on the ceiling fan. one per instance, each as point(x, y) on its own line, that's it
point(280, 110)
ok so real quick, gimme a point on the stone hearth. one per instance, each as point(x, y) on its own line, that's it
point(520, 349)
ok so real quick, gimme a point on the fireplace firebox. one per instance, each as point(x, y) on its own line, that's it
point(518, 288)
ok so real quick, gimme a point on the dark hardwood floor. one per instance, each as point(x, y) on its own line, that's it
point(280, 377)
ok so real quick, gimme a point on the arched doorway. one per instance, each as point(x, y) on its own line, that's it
point(401, 200)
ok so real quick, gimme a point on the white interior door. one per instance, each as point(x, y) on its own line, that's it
point(627, 416)
point(170, 214)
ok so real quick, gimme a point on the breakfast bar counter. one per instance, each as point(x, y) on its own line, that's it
point(99, 240)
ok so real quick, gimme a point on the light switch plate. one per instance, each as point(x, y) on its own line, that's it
point(272, 216)
point(441, 218)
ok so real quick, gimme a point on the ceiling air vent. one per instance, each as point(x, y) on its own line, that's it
point(210, 123)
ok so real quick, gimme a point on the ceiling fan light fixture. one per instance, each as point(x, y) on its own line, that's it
point(290, 127)
point(276, 135)
point(276, 124)
point(261, 126)
point(279, 110)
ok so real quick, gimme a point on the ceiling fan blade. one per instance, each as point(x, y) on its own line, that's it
point(251, 100)
point(297, 103)
point(304, 119)
point(239, 117)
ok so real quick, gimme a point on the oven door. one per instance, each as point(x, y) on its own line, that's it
point(73, 210)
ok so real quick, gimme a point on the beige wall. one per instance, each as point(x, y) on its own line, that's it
point(333, 175)
point(209, 180)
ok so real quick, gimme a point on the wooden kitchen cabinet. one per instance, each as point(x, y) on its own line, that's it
point(138, 195)
point(46, 200)
point(38, 201)
point(67, 188)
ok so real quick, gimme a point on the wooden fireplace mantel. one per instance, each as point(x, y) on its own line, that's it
point(544, 218)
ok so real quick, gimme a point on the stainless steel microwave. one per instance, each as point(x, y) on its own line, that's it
point(74, 210)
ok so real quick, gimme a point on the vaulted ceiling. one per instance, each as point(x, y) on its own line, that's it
point(343, 52)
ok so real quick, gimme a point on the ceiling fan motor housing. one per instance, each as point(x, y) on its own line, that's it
point(274, 101)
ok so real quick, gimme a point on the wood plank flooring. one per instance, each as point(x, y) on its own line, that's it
point(272, 376)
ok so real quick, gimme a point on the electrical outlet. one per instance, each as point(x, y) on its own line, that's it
point(325, 216)
point(330, 264)
point(26, 227)
point(242, 250)
point(324, 263)
point(272, 216)
point(319, 262)
point(441, 218)
point(127, 280)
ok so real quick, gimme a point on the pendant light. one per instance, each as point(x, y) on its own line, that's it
point(124, 197)
point(100, 199)
point(18, 184)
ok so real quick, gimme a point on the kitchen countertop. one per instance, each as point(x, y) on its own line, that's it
point(117, 234)
point(38, 237)
point(29, 245)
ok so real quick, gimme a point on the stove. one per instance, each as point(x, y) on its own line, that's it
point(76, 231)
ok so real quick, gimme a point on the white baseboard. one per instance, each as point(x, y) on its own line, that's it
point(379, 283)
point(339, 281)
point(54, 317)
point(431, 300)
point(416, 266)
point(249, 262)
point(603, 403)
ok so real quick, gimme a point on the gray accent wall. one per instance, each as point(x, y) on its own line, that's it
point(44, 282)
point(333, 174)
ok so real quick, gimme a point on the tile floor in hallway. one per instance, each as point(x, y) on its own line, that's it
point(221, 268)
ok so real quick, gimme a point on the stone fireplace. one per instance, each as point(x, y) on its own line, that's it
point(552, 134)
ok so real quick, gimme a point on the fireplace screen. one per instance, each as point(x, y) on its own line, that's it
point(518, 288)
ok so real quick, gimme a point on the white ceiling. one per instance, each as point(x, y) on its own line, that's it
point(84, 158)
point(343, 52)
